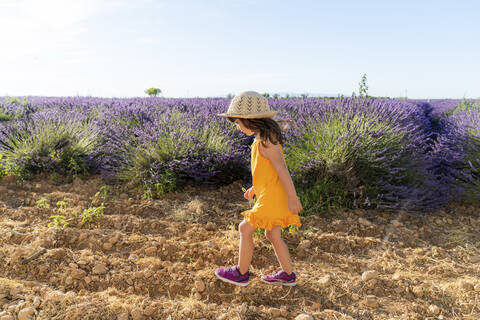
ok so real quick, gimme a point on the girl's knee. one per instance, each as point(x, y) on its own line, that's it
point(273, 236)
point(245, 228)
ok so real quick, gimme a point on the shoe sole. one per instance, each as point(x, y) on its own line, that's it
point(286, 284)
point(241, 284)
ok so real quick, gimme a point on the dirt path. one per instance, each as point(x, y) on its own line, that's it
point(155, 259)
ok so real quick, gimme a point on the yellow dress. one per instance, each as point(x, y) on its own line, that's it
point(271, 206)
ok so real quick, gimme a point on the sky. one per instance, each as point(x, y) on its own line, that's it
point(209, 48)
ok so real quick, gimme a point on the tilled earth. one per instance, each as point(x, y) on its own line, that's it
point(154, 259)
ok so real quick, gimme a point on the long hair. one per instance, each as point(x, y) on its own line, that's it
point(267, 129)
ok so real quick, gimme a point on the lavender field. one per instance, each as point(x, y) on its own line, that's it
point(369, 153)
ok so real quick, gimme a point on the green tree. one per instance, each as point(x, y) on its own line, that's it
point(153, 91)
point(266, 95)
point(363, 88)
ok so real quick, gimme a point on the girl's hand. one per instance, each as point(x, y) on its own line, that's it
point(249, 193)
point(294, 205)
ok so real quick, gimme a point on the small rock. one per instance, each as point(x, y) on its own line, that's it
point(477, 288)
point(370, 274)
point(274, 312)
point(364, 222)
point(133, 257)
point(433, 309)
point(475, 259)
point(151, 251)
point(210, 226)
point(305, 244)
point(371, 301)
point(324, 281)
point(114, 240)
point(199, 286)
point(465, 285)
point(418, 291)
point(26, 314)
point(78, 274)
point(304, 316)
point(149, 311)
point(198, 296)
point(15, 291)
point(122, 316)
point(162, 240)
point(83, 236)
point(148, 273)
point(107, 246)
point(397, 224)
point(99, 269)
point(36, 302)
point(136, 314)
point(55, 296)
point(396, 276)
point(123, 196)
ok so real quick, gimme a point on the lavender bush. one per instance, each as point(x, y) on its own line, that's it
point(457, 155)
point(49, 141)
point(360, 152)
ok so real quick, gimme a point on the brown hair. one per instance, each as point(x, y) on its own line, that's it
point(266, 128)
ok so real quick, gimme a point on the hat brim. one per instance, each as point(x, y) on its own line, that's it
point(249, 116)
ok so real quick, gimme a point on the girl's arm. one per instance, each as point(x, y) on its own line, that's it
point(273, 153)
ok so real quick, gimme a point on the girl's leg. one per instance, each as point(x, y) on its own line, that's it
point(245, 251)
point(281, 249)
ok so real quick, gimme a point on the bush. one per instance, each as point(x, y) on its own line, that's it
point(457, 155)
point(178, 149)
point(48, 142)
point(360, 153)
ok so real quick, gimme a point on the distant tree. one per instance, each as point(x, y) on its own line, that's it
point(153, 91)
point(304, 95)
point(363, 88)
point(266, 95)
point(287, 96)
point(230, 95)
point(276, 96)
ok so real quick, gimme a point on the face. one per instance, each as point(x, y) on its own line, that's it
point(242, 128)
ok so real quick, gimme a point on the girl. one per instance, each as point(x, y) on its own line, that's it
point(277, 204)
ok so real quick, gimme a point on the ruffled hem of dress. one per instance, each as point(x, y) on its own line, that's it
point(268, 224)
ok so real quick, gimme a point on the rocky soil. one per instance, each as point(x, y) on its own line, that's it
point(154, 259)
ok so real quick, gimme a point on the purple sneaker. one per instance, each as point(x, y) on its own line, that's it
point(281, 278)
point(232, 275)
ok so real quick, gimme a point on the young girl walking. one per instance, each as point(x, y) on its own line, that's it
point(277, 204)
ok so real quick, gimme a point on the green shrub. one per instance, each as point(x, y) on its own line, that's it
point(46, 145)
point(339, 162)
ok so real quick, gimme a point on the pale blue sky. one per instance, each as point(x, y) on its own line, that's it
point(422, 49)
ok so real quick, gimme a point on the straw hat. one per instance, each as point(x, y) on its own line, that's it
point(249, 105)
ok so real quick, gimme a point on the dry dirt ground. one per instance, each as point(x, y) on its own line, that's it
point(154, 259)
